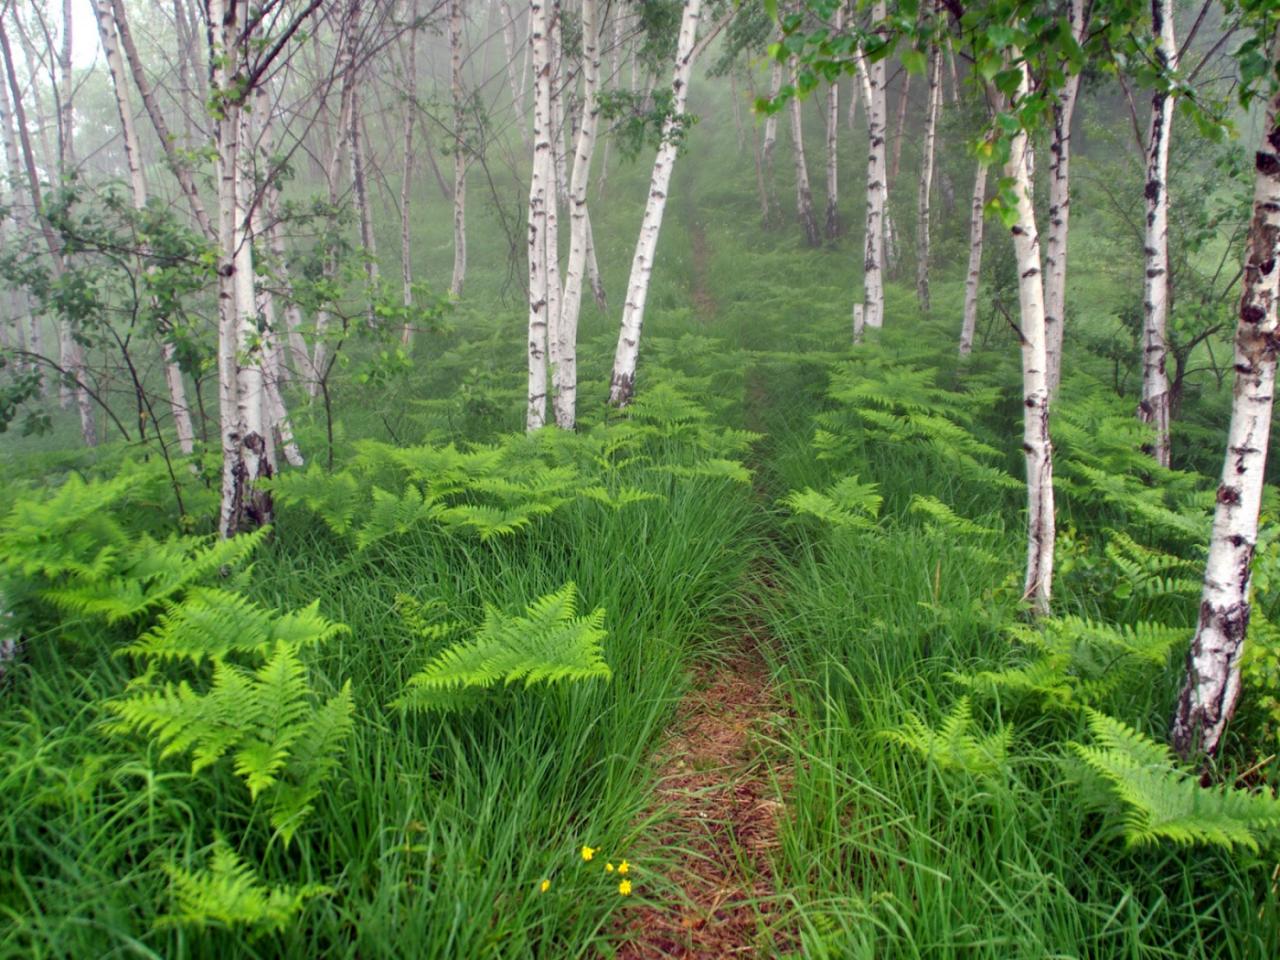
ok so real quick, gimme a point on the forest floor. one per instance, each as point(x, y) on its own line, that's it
point(720, 808)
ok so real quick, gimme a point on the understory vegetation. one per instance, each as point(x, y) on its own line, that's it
point(414, 716)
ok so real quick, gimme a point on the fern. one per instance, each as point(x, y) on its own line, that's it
point(945, 517)
point(1078, 660)
point(1160, 800)
point(624, 497)
point(546, 645)
point(954, 745)
point(847, 503)
point(391, 514)
point(227, 893)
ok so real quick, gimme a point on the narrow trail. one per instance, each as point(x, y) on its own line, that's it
point(722, 814)
point(720, 795)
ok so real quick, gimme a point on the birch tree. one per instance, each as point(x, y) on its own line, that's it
point(460, 159)
point(977, 226)
point(406, 158)
point(926, 177)
point(872, 76)
point(1055, 257)
point(138, 191)
point(566, 368)
point(804, 194)
point(832, 220)
point(622, 382)
point(1155, 405)
point(1211, 687)
point(541, 194)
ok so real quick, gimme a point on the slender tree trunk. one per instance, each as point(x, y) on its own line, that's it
point(615, 72)
point(133, 158)
point(1212, 686)
point(900, 128)
point(333, 171)
point(804, 195)
point(770, 144)
point(75, 361)
point(762, 190)
point(360, 196)
point(176, 160)
point(926, 178)
point(1036, 444)
point(406, 159)
point(1154, 408)
point(460, 160)
point(566, 370)
point(513, 70)
point(1055, 256)
point(851, 112)
point(873, 95)
point(735, 102)
point(977, 222)
point(622, 383)
point(559, 82)
point(833, 144)
point(541, 195)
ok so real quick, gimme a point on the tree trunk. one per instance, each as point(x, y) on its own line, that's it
point(1035, 388)
point(926, 178)
point(541, 195)
point(137, 181)
point(804, 195)
point(459, 151)
point(1055, 257)
point(873, 96)
point(1154, 408)
point(900, 128)
point(406, 160)
point(360, 196)
point(566, 369)
point(833, 143)
point(622, 383)
point(74, 362)
point(513, 70)
point(770, 143)
point(976, 225)
point(1212, 686)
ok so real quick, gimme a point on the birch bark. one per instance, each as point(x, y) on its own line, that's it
point(541, 194)
point(1154, 408)
point(406, 158)
point(1055, 256)
point(804, 195)
point(622, 383)
point(566, 369)
point(459, 151)
point(873, 96)
point(1036, 444)
point(926, 178)
point(1212, 685)
point(832, 223)
point(977, 223)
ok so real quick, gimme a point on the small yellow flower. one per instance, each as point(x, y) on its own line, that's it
point(544, 886)
point(608, 868)
point(624, 867)
point(624, 888)
point(588, 852)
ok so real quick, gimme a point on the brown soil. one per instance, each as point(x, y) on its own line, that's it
point(719, 810)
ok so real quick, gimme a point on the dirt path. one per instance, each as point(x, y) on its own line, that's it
point(721, 811)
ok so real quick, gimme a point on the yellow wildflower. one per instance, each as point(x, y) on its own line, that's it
point(588, 852)
point(624, 888)
point(544, 886)
point(624, 867)
point(608, 868)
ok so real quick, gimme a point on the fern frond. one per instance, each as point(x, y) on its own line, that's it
point(938, 511)
point(391, 515)
point(228, 893)
point(546, 645)
point(624, 497)
point(1163, 801)
point(954, 745)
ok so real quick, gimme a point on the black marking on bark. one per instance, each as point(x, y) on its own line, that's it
point(1228, 495)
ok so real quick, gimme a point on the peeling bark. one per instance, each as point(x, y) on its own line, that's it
point(1212, 685)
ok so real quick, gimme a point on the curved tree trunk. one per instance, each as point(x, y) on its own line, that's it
point(1212, 686)
point(137, 181)
point(1154, 408)
point(622, 383)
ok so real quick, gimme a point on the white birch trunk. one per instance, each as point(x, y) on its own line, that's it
point(873, 95)
point(770, 143)
point(360, 196)
point(1155, 405)
point(566, 368)
point(622, 383)
point(1035, 387)
point(513, 70)
point(977, 223)
point(804, 195)
point(459, 151)
point(926, 178)
point(1055, 255)
point(1212, 685)
point(541, 195)
point(406, 159)
point(137, 182)
point(833, 144)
